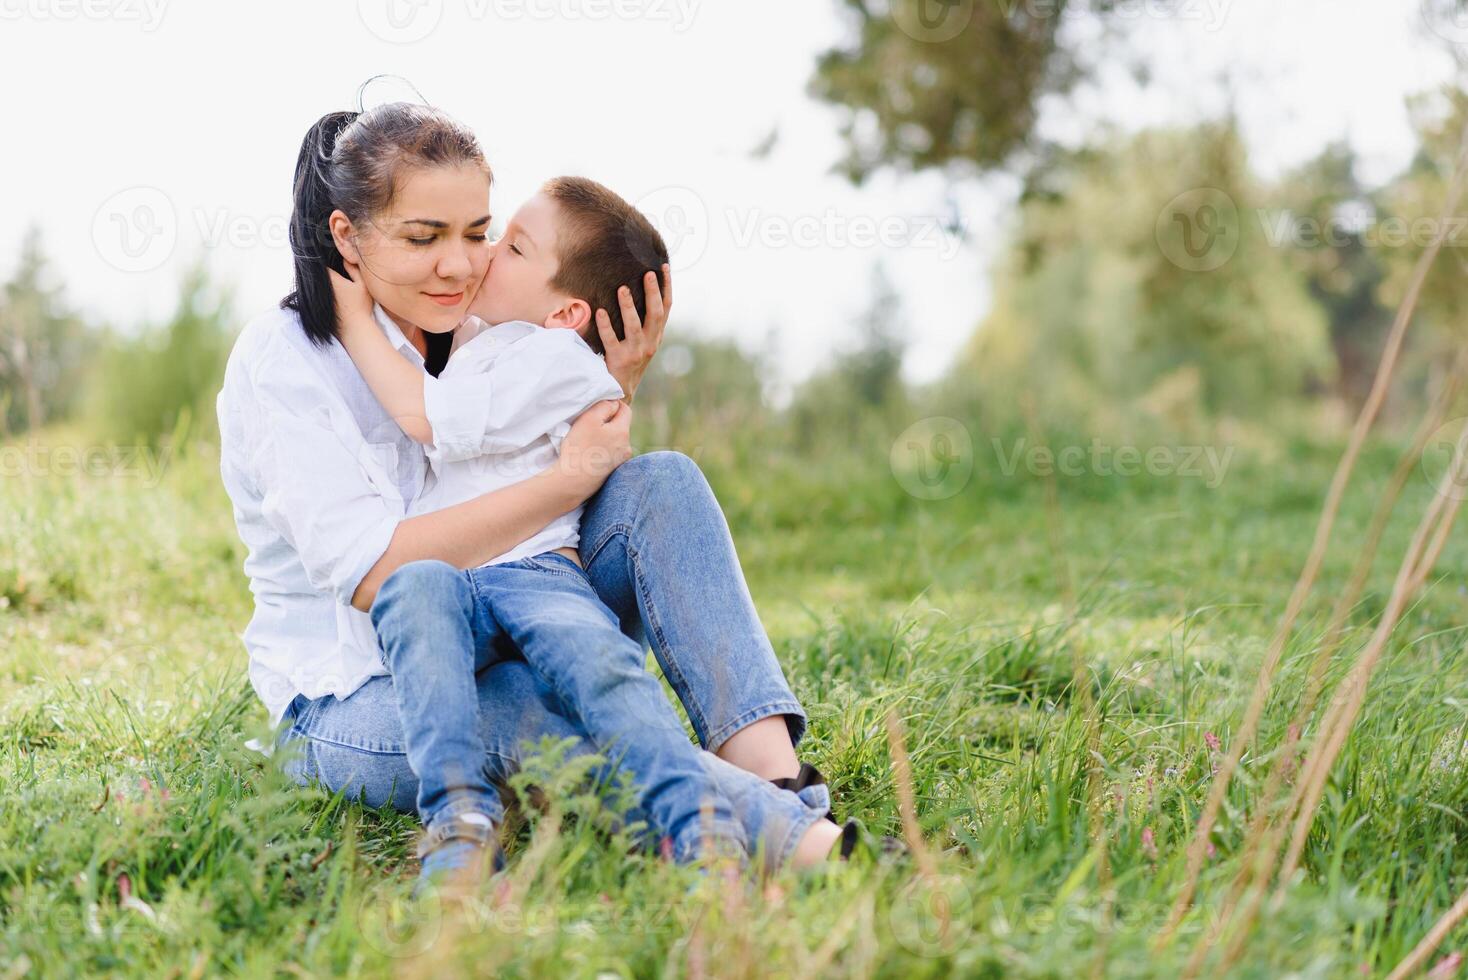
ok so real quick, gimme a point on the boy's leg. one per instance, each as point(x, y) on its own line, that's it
point(434, 639)
point(546, 606)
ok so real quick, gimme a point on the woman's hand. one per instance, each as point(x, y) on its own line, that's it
point(628, 358)
point(353, 302)
point(599, 442)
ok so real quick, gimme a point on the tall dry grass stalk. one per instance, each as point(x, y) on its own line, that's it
point(1415, 960)
point(907, 800)
point(1262, 840)
point(1198, 846)
point(1421, 556)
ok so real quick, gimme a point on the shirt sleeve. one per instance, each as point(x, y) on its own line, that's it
point(317, 487)
point(501, 402)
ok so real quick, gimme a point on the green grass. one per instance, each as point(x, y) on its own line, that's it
point(139, 837)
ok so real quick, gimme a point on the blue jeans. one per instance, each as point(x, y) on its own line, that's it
point(438, 627)
point(657, 551)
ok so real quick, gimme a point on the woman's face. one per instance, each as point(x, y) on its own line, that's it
point(424, 256)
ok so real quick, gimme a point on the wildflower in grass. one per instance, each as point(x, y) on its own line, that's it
point(1212, 741)
point(1149, 843)
point(1446, 967)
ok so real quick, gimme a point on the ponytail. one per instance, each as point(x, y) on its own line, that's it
point(313, 250)
point(350, 162)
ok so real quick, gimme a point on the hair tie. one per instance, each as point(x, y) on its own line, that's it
point(398, 79)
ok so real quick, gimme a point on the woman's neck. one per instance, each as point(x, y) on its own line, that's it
point(412, 332)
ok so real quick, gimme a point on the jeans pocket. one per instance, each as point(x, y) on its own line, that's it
point(557, 565)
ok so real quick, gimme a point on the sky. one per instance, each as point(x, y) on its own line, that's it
point(144, 135)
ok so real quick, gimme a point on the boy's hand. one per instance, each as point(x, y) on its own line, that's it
point(353, 302)
point(627, 359)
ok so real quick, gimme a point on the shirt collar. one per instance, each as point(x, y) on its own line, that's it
point(395, 333)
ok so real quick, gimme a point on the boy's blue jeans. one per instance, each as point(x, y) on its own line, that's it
point(657, 549)
point(439, 627)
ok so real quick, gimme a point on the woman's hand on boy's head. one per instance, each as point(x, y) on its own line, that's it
point(628, 358)
point(353, 302)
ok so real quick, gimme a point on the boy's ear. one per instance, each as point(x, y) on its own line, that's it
point(573, 314)
point(342, 237)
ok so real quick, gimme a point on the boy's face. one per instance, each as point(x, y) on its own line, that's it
point(522, 264)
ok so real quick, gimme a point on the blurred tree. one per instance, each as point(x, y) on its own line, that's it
point(164, 379)
point(1328, 217)
point(863, 386)
point(1413, 203)
point(44, 346)
point(929, 83)
point(698, 387)
point(1138, 278)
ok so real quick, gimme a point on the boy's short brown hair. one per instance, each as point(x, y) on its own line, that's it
point(602, 243)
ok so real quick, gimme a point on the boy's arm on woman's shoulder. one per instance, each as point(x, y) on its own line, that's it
point(396, 384)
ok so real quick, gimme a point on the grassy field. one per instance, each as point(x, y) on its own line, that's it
point(138, 836)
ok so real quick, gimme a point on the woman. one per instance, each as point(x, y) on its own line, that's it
point(320, 478)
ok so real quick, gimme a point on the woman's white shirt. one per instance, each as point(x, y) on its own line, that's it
point(319, 476)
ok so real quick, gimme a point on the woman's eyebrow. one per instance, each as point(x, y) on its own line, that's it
point(435, 223)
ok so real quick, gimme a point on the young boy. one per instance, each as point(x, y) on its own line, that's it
point(496, 415)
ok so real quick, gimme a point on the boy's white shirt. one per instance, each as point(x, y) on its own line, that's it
point(499, 411)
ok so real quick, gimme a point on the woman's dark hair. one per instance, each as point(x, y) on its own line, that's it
point(352, 162)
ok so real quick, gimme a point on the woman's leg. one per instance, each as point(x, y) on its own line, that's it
point(657, 549)
point(355, 745)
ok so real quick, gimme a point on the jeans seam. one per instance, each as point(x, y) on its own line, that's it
point(550, 569)
point(373, 750)
point(668, 661)
point(620, 528)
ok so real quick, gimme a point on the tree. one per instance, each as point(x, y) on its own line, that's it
point(1111, 295)
point(43, 345)
point(863, 386)
point(149, 383)
point(1330, 216)
point(929, 83)
point(1413, 202)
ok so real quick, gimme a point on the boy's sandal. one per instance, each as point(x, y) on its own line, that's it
point(855, 840)
point(470, 831)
